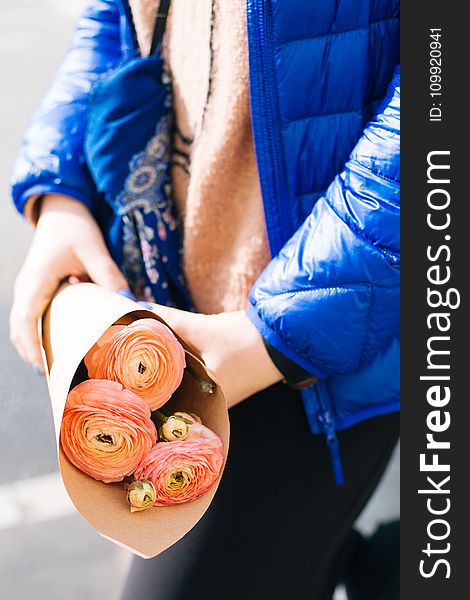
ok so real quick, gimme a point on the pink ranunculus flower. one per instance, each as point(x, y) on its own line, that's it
point(182, 471)
point(106, 430)
point(145, 357)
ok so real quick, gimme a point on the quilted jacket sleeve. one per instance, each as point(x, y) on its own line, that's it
point(51, 157)
point(330, 300)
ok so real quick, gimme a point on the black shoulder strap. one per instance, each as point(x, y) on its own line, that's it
point(160, 25)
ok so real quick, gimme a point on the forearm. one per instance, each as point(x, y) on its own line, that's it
point(330, 299)
point(248, 368)
point(51, 159)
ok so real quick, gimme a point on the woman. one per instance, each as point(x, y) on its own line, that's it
point(315, 86)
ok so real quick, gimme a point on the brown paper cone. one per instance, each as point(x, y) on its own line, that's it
point(76, 318)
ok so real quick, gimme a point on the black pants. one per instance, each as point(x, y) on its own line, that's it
point(278, 524)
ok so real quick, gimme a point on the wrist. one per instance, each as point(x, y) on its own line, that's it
point(294, 375)
point(258, 356)
point(59, 203)
point(32, 208)
point(39, 204)
point(68, 216)
point(251, 369)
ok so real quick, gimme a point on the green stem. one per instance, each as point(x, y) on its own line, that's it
point(159, 418)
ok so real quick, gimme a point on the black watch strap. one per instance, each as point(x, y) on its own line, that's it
point(294, 375)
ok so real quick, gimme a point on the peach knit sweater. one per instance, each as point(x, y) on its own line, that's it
point(217, 191)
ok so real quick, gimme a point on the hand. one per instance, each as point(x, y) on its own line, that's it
point(231, 347)
point(67, 242)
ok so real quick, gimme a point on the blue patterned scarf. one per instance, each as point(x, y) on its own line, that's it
point(128, 151)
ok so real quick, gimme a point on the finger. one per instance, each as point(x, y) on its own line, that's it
point(172, 316)
point(78, 279)
point(101, 268)
point(24, 335)
point(147, 305)
point(25, 338)
point(186, 324)
point(31, 294)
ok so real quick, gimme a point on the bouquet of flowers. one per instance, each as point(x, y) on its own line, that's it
point(136, 410)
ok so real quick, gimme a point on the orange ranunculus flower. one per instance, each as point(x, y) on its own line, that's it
point(106, 430)
point(144, 356)
point(183, 470)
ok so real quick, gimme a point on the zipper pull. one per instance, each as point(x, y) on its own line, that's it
point(327, 421)
point(333, 446)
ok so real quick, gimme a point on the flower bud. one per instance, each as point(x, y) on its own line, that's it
point(174, 428)
point(189, 417)
point(196, 428)
point(141, 494)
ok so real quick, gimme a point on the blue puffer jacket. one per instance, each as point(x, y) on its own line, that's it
point(324, 87)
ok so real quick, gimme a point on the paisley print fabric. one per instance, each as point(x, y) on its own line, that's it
point(128, 151)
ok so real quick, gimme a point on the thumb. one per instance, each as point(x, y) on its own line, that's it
point(102, 269)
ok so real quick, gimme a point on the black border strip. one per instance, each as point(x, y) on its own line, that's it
point(421, 136)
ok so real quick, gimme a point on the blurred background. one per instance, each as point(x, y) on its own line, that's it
point(46, 549)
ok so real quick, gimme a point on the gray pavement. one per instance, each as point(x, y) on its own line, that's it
point(61, 558)
point(33, 37)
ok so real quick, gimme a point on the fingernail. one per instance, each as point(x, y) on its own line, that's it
point(146, 305)
point(127, 294)
point(37, 370)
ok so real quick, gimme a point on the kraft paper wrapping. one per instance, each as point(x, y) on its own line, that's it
point(75, 319)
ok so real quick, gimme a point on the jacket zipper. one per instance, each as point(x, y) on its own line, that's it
point(327, 424)
point(273, 176)
point(265, 122)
